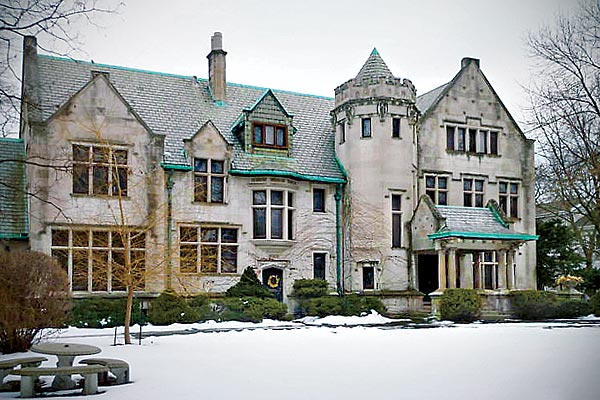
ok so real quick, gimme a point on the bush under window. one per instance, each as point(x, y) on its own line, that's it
point(460, 305)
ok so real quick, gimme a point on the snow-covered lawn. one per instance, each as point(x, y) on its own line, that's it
point(477, 361)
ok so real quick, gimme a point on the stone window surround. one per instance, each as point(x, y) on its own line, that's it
point(287, 214)
point(438, 193)
point(324, 255)
point(485, 142)
point(508, 199)
point(209, 174)
point(113, 161)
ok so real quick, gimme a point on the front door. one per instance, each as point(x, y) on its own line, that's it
point(273, 280)
point(427, 274)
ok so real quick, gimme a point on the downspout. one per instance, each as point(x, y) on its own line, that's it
point(170, 184)
point(338, 238)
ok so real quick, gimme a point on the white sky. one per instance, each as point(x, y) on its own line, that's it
point(312, 46)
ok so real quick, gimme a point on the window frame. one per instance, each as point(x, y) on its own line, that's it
point(342, 126)
point(323, 207)
point(322, 268)
point(508, 200)
point(366, 128)
point(263, 142)
point(472, 140)
point(436, 191)
point(89, 168)
point(201, 244)
point(209, 176)
point(475, 195)
point(287, 214)
point(396, 127)
point(91, 249)
point(396, 215)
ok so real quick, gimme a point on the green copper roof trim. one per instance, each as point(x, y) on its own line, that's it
point(11, 139)
point(313, 178)
point(145, 71)
point(342, 168)
point(176, 167)
point(20, 236)
point(482, 235)
point(497, 216)
point(374, 52)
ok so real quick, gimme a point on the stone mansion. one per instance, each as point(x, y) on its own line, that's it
point(378, 191)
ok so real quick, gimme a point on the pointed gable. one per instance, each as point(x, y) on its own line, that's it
point(374, 69)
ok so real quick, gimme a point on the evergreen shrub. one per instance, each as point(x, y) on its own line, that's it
point(169, 308)
point(309, 288)
point(460, 305)
point(347, 305)
point(572, 308)
point(250, 309)
point(533, 305)
point(100, 312)
point(249, 286)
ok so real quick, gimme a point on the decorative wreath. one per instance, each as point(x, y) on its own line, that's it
point(273, 281)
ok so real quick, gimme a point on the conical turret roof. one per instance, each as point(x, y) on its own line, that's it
point(374, 68)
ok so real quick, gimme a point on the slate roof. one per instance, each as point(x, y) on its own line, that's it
point(427, 100)
point(177, 106)
point(374, 68)
point(475, 222)
point(13, 203)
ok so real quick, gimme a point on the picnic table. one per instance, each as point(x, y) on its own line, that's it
point(66, 353)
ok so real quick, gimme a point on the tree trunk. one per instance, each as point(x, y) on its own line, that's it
point(128, 309)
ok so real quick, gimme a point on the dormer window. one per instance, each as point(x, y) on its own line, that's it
point(266, 135)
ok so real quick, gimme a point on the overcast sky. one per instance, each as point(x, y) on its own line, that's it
point(312, 46)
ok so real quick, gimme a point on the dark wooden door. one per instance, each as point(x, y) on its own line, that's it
point(273, 280)
point(427, 274)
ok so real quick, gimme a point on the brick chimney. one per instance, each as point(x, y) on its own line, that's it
point(216, 69)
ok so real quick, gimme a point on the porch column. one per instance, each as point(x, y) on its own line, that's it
point(466, 271)
point(501, 284)
point(510, 256)
point(452, 268)
point(477, 268)
point(442, 269)
point(413, 271)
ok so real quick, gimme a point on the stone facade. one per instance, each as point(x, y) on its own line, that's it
point(217, 177)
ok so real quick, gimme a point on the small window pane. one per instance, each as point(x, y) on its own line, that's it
point(467, 184)
point(430, 182)
point(209, 234)
point(228, 235)
point(479, 185)
point(80, 153)
point(442, 199)
point(503, 204)
point(80, 239)
point(319, 265)
point(472, 140)
point(100, 238)
point(117, 239)
point(468, 200)
point(119, 185)
point(216, 166)
point(99, 270)
point(503, 187)
point(216, 189)
point(366, 127)
point(188, 258)
point(514, 188)
point(258, 136)
point(200, 165)
point(229, 259)
point(80, 179)
point(396, 202)
point(269, 134)
point(290, 199)
point(277, 197)
point(100, 180)
point(208, 259)
point(368, 278)
point(277, 223)
point(478, 200)
point(100, 154)
point(396, 127)
point(442, 183)
point(62, 257)
point(80, 270)
point(200, 188)
point(259, 197)
point(483, 142)
point(120, 156)
point(514, 210)
point(138, 240)
point(319, 200)
point(260, 223)
point(280, 137)
point(450, 137)
point(461, 139)
point(396, 230)
point(188, 234)
point(60, 237)
point(494, 142)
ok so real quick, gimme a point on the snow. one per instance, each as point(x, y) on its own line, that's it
point(293, 360)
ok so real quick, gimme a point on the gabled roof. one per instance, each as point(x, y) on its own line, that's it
point(475, 223)
point(427, 100)
point(178, 106)
point(13, 201)
point(374, 69)
point(269, 93)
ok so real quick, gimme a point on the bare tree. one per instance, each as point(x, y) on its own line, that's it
point(56, 22)
point(565, 117)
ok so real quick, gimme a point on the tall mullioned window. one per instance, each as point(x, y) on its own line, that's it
point(99, 170)
point(209, 180)
point(471, 140)
point(273, 214)
point(396, 220)
point(509, 198)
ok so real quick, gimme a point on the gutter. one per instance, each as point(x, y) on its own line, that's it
point(481, 235)
point(338, 238)
point(169, 186)
point(289, 174)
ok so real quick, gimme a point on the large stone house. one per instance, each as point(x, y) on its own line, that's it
point(377, 191)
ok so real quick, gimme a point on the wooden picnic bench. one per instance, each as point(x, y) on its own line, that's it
point(89, 372)
point(7, 366)
point(119, 368)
